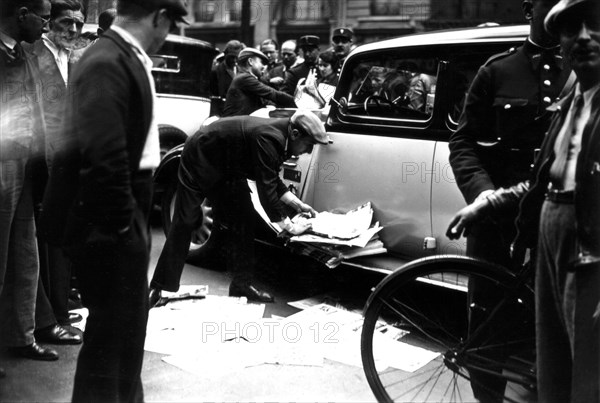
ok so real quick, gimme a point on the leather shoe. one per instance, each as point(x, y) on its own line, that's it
point(75, 317)
point(57, 334)
point(154, 296)
point(250, 292)
point(2, 373)
point(36, 352)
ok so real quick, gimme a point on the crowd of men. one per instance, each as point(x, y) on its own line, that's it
point(76, 187)
point(245, 79)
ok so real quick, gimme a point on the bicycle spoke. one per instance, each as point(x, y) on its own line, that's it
point(419, 317)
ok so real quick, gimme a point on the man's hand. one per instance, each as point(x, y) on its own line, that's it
point(305, 208)
point(465, 218)
point(298, 205)
point(295, 228)
point(276, 80)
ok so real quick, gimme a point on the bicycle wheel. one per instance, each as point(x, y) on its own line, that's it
point(419, 342)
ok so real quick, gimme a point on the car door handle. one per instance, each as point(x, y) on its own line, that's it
point(290, 164)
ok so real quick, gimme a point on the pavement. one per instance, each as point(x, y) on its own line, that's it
point(289, 278)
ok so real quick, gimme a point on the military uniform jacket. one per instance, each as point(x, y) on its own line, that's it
point(505, 118)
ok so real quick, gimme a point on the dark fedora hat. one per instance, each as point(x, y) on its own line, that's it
point(565, 10)
point(177, 8)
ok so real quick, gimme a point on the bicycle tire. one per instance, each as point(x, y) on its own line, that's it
point(437, 320)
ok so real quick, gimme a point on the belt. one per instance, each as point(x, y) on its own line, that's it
point(561, 196)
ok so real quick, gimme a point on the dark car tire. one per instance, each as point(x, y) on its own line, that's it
point(170, 137)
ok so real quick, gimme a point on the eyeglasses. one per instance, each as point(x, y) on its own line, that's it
point(45, 19)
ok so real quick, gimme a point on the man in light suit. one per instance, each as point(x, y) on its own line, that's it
point(104, 173)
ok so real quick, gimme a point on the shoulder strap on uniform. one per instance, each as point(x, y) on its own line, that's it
point(500, 56)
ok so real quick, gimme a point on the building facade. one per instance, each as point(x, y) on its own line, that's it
point(218, 21)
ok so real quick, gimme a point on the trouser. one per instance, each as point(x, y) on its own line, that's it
point(568, 339)
point(19, 267)
point(112, 270)
point(489, 241)
point(233, 214)
point(55, 267)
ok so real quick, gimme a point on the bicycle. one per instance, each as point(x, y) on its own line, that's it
point(424, 304)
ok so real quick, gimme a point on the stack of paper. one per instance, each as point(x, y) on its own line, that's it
point(335, 237)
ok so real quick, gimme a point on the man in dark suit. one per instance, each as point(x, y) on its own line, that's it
point(559, 216)
point(309, 44)
point(112, 151)
point(247, 93)
point(215, 164)
point(53, 56)
point(21, 138)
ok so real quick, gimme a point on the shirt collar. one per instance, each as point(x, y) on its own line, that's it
point(9, 41)
point(52, 46)
point(135, 44)
point(587, 95)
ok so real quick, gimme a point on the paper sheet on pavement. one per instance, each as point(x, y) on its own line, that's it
point(180, 325)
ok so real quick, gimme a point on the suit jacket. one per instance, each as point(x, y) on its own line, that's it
point(504, 119)
point(239, 147)
point(587, 183)
point(220, 80)
point(94, 173)
point(54, 93)
point(247, 94)
point(22, 127)
point(295, 74)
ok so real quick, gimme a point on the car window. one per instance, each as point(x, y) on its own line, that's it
point(182, 69)
point(393, 86)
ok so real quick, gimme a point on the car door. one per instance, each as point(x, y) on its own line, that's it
point(383, 147)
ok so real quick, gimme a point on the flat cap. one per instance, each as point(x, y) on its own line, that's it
point(567, 9)
point(311, 125)
point(342, 33)
point(177, 8)
point(309, 40)
point(251, 52)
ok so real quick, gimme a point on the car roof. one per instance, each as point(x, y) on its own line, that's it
point(452, 36)
point(184, 40)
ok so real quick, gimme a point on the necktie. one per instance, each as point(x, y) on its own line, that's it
point(557, 171)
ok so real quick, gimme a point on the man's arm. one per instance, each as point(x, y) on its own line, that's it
point(103, 90)
point(476, 124)
point(499, 202)
point(252, 85)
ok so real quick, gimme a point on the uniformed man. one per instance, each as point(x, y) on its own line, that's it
point(342, 44)
point(502, 125)
point(309, 44)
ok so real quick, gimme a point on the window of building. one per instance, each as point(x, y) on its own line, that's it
point(219, 11)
